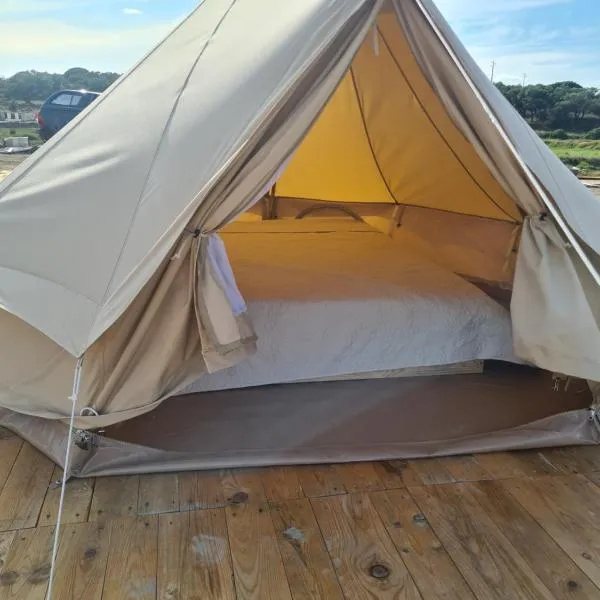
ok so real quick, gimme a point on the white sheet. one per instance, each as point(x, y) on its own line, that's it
point(335, 297)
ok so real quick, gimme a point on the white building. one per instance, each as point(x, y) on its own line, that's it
point(10, 117)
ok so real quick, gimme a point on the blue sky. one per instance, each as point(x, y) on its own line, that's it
point(548, 40)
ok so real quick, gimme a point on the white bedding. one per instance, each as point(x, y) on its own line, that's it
point(335, 297)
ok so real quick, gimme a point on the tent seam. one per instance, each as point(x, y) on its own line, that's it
point(158, 147)
point(369, 141)
point(407, 204)
point(443, 138)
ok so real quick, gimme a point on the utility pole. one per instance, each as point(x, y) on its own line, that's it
point(493, 67)
point(524, 78)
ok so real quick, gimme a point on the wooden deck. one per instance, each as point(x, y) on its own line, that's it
point(497, 526)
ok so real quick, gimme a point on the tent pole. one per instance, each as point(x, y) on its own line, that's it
point(529, 174)
point(74, 396)
point(396, 219)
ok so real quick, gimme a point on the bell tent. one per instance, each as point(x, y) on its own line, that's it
point(330, 239)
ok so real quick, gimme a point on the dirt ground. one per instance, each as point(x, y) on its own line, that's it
point(8, 163)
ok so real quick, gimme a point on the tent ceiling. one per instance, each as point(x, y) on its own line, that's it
point(385, 137)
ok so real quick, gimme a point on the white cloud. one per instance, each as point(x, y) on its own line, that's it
point(494, 31)
point(51, 45)
point(132, 11)
point(466, 10)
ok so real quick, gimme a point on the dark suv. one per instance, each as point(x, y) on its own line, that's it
point(60, 108)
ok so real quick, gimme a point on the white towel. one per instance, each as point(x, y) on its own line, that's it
point(221, 268)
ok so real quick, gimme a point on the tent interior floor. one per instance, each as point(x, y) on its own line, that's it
point(501, 525)
point(350, 420)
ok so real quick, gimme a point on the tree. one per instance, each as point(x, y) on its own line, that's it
point(28, 86)
point(562, 105)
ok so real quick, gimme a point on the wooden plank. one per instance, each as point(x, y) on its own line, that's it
point(201, 489)
point(553, 567)
point(6, 540)
point(421, 550)
point(78, 498)
point(426, 471)
point(359, 477)
point(173, 545)
point(81, 562)
point(487, 560)
point(466, 468)
point(509, 465)
point(131, 566)
point(114, 497)
point(158, 493)
point(594, 477)
point(242, 486)
point(208, 570)
point(364, 556)
point(9, 450)
point(446, 469)
point(580, 459)
point(23, 494)
point(193, 556)
point(320, 480)
point(26, 571)
point(310, 574)
point(567, 508)
point(281, 483)
point(257, 565)
point(390, 473)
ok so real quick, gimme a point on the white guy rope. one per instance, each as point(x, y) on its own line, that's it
point(67, 465)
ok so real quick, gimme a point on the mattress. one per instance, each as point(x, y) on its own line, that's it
point(329, 298)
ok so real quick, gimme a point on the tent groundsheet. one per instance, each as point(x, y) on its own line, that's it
point(508, 407)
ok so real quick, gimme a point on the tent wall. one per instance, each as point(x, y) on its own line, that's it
point(222, 120)
point(478, 248)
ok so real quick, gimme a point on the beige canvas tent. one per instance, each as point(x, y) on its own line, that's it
point(393, 225)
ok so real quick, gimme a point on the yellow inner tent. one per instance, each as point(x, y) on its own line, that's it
point(385, 138)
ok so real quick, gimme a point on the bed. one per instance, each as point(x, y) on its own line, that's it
point(338, 299)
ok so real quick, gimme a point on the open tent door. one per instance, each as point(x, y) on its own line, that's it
point(376, 102)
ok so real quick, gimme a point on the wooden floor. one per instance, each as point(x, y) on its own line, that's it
point(497, 526)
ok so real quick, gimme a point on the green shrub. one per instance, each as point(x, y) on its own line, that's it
point(593, 134)
point(559, 134)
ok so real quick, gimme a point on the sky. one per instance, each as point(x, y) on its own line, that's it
point(543, 40)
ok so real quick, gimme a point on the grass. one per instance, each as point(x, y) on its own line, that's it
point(583, 154)
point(31, 132)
